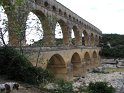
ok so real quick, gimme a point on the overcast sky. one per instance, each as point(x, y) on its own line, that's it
point(107, 15)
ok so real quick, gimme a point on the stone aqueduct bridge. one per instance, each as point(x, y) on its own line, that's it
point(67, 60)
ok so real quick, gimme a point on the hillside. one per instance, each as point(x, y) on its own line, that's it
point(114, 39)
point(112, 45)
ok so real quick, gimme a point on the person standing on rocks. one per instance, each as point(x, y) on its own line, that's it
point(117, 61)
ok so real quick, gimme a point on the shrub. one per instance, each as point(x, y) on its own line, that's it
point(98, 71)
point(11, 61)
point(100, 87)
point(17, 67)
point(63, 87)
point(37, 75)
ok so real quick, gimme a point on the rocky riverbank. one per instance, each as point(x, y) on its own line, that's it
point(116, 79)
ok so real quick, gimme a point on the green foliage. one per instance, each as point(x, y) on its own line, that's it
point(12, 60)
point(38, 43)
point(10, 4)
point(63, 87)
point(100, 87)
point(36, 75)
point(59, 41)
point(17, 67)
point(117, 44)
point(114, 39)
point(117, 52)
point(99, 71)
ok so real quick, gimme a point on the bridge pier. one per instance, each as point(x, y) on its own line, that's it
point(83, 70)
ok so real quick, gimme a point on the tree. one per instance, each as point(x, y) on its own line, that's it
point(2, 37)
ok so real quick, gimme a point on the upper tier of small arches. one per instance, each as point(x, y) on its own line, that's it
point(58, 8)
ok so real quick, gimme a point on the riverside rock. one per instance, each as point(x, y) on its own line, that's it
point(115, 79)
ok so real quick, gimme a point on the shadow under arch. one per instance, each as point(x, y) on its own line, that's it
point(65, 33)
point(87, 60)
point(94, 56)
point(76, 64)
point(85, 38)
point(57, 66)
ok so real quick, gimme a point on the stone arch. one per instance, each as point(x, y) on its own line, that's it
point(47, 32)
point(54, 8)
point(76, 63)
point(65, 33)
point(16, 24)
point(77, 20)
point(73, 18)
point(94, 56)
point(87, 60)
point(69, 16)
point(13, 38)
point(77, 35)
point(57, 66)
point(72, 37)
point(65, 14)
point(85, 38)
point(92, 39)
point(58, 35)
point(34, 31)
point(60, 12)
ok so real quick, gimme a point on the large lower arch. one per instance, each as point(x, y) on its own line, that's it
point(76, 63)
point(94, 56)
point(57, 66)
point(87, 60)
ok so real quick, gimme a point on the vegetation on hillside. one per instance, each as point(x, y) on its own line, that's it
point(115, 40)
point(112, 45)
